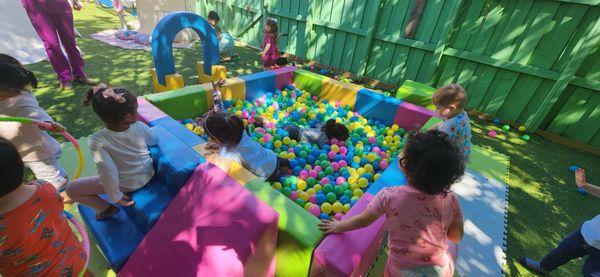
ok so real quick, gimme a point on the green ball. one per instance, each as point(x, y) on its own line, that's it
point(300, 202)
point(525, 137)
point(506, 127)
point(321, 175)
point(331, 197)
point(348, 193)
point(327, 188)
point(311, 181)
point(303, 154)
point(323, 157)
point(345, 186)
point(329, 170)
point(287, 182)
point(338, 190)
point(325, 164)
point(286, 191)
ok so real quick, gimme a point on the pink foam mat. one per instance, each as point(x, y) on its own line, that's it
point(148, 112)
point(412, 117)
point(213, 227)
point(350, 253)
point(283, 76)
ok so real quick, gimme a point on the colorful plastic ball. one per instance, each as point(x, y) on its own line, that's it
point(337, 207)
point(582, 191)
point(300, 202)
point(383, 164)
point(329, 170)
point(286, 191)
point(277, 185)
point(338, 190)
point(327, 188)
point(317, 187)
point(293, 195)
point(338, 216)
point(314, 210)
point(310, 181)
point(525, 137)
point(301, 185)
point(492, 134)
point(496, 121)
point(340, 180)
point(346, 208)
point(348, 193)
point(573, 168)
point(312, 198)
point(321, 198)
point(358, 192)
point(303, 195)
point(522, 128)
point(331, 197)
point(324, 216)
point(363, 182)
point(345, 199)
point(506, 127)
point(326, 208)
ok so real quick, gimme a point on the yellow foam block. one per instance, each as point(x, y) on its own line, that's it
point(334, 90)
point(234, 88)
point(173, 81)
point(218, 72)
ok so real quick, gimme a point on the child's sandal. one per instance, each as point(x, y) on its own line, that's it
point(533, 265)
point(110, 211)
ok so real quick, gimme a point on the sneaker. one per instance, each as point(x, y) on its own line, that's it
point(86, 81)
point(110, 211)
point(533, 266)
point(66, 86)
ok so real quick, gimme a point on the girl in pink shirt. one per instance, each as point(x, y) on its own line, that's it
point(422, 216)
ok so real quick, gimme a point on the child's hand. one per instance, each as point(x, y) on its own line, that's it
point(77, 5)
point(580, 178)
point(54, 127)
point(126, 201)
point(218, 84)
point(329, 226)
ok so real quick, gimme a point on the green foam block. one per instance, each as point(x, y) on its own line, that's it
point(416, 93)
point(308, 81)
point(187, 102)
point(293, 259)
point(293, 219)
point(432, 121)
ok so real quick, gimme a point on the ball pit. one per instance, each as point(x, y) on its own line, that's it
point(325, 180)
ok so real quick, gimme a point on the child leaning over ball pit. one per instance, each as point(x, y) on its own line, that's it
point(321, 136)
point(35, 236)
point(227, 136)
point(423, 215)
point(450, 102)
point(39, 151)
point(120, 152)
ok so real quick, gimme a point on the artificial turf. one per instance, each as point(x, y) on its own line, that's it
point(544, 206)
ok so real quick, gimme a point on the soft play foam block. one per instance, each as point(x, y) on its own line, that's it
point(308, 81)
point(178, 130)
point(416, 93)
point(293, 219)
point(432, 121)
point(336, 91)
point(213, 227)
point(148, 112)
point(172, 81)
point(293, 258)
point(350, 253)
point(283, 76)
point(374, 105)
point(218, 72)
point(259, 83)
point(116, 236)
point(391, 177)
point(234, 89)
point(187, 102)
point(412, 117)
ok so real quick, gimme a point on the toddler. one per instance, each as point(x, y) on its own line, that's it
point(39, 151)
point(422, 215)
point(321, 136)
point(120, 152)
point(225, 39)
point(35, 236)
point(450, 102)
point(270, 51)
point(581, 243)
point(227, 136)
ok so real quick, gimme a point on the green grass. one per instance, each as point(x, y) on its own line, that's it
point(543, 204)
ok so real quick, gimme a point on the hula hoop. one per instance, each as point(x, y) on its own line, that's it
point(48, 126)
point(84, 239)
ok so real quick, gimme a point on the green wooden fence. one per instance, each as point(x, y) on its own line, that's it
point(536, 62)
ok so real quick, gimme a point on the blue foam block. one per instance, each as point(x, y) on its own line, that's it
point(117, 237)
point(376, 106)
point(259, 83)
point(391, 177)
point(164, 34)
point(178, 130)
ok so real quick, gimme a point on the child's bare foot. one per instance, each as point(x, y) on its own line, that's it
point(110, 211)
point(65, 198)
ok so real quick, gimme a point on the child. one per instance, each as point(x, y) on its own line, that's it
point(270, 51)
point(120, 152)
point(320, 136)
point(422, 215)
point(225, 39)
point(583, 242)
point(39, 151)
point(227, 136)
point(450, 102)
point(213, 20)
point(35, 236)
point(120, 10)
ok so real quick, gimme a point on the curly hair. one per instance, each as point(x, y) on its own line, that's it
point(13, 76)
point(11, 167)
point(432, 162)
point(334, 130)
point(450, 94)
point(108, 109)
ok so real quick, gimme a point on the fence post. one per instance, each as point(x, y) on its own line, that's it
point(581, 50)
point(307, 38)
point(441, 44)
point(365, 51)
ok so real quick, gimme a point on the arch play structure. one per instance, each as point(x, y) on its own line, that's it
point(200, 218)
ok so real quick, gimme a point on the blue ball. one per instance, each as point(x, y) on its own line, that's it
point(364, 161)
point(293, 163)
point(582, 191)
point(352, 202)
point(355, 165)
point(187, 120)
point(297, 170)
point(496, 121)
point(324, 216)
point(302, 162)
point(573, 168)
point(310, 159)
point(321, 198)
point(344, 199)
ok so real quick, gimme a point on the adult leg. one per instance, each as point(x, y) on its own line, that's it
point(45, 27)
point(591, 266)
point(570, 248)
point(66, 31)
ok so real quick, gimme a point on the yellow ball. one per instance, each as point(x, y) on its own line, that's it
point(354, 186)
point(286, 140)
point(189, 126)
point(372, 157)
point(311, 191)
point(346, 208)
point(277, 144)
point(291, 156)
point(301, 184)
point(361, 171)
point(326, 208)
point(352, 180)
point(335, 148)
point(317, 187)
point(303, 195)
point(307, 205)
point(363, 182)
point(522, 128)
point(337, 207)
point(283, 155)
point(368, 168)
point(198, 131)
point(261, 141)
point(357, 192)
point(356, 159)
point(376, 177)
point(395, 127)
point(277, 185)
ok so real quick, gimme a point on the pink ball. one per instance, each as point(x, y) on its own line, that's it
point(317, 168)
point(330, 155)
point(324, 181)
point(315, 98)
point(313, 199)
point(492, 134)
point(253, 112)
point(275, 105)
point(338, 103)
point(258, 130)
point(382, 154)
point(376, 149)
point(313, 174)
point(267, 137)
point(372, 140)
point(303, 174)
point(338, 216)
point(343, 150)
point(294, 195)
point(343, 163)
point(341, 143)
point(314, 210)
point(334, 141)
point(245, 114)
point(335, 166)
point(340, 180)
point(291, 150)
point(251, 120)
point(383, 164)
point(270, 125)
